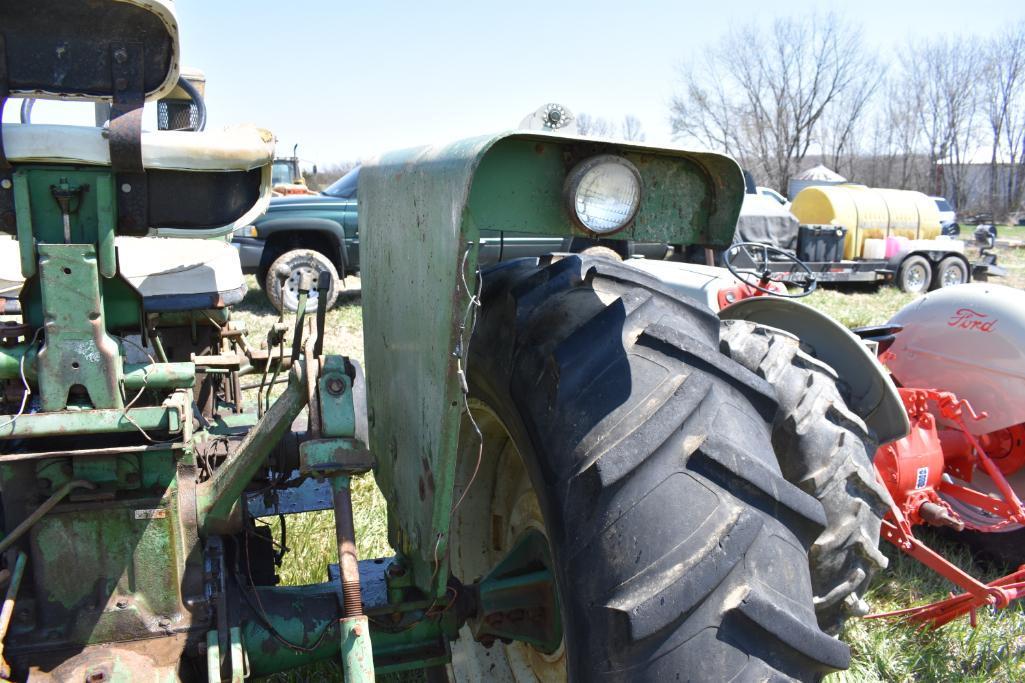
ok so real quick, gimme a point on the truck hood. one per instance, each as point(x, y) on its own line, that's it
point(307, 201)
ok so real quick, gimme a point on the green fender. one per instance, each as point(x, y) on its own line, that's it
point(421, 212)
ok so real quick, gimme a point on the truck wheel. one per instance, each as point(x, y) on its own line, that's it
point(914, 275)
point(827, 451)
point(950, 271)
point(296, 263)
point(679, 550)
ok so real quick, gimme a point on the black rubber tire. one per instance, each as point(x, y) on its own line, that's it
point(827, 451)
point(1006, 548)
point(680, 550)
point(904, 275)
point(949, 264)
point(300, 258)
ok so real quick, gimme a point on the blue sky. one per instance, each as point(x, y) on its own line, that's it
point(347, 80)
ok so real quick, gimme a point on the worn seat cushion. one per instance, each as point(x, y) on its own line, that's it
point(239, 148)
point(224, 174)
point(171, 274)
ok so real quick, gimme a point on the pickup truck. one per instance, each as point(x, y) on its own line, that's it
point(319, 232)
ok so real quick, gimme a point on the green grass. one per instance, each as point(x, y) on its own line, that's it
point(883, 650)
point(1011, 232)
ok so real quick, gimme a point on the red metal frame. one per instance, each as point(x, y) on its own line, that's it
point(912, 468)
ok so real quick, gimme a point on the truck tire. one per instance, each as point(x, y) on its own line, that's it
point(679, 550)
point(950, 271)
point(297, 262)
point(914, 275)
point(827, 451)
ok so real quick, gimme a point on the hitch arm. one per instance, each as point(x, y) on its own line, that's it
point(217, 499)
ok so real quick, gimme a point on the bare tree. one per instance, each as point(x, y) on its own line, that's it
point(632, 128)
point(321, 177)
point(944, 72)
point(842, 123)
point(761, 95)
point(595, 126)
point(1005, 79)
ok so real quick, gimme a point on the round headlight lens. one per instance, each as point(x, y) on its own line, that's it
point(603, 193)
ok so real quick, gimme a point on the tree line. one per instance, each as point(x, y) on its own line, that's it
point(782, 95)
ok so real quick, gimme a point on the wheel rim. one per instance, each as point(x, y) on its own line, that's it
point(981, 482)
point(915, 277)
point(290, 291)
point(503, 486)
point(952, 276)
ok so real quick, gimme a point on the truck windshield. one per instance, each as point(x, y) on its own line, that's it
point(344, 187)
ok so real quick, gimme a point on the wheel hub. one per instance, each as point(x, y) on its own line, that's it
point(290, 291)
point(916, 277)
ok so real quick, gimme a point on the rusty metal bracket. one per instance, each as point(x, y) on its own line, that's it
point(127, 70)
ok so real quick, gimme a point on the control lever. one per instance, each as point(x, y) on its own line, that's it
point(305, 285)
point(323, 287)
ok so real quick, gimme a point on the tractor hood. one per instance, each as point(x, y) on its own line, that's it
point(966, 339)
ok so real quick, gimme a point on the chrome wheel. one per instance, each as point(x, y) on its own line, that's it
point(290, 292)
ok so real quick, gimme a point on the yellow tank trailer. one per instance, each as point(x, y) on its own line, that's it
point(868, 213)
point(852, 233)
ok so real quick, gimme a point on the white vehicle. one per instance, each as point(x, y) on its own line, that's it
point(947, 214)
point(772, 194)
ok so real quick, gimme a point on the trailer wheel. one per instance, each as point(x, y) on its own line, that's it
point(951, 271)
point(679, 550)
point(914, 275)
point(827, 451)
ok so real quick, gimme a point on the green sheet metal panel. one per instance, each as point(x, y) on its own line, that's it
point(421, 211)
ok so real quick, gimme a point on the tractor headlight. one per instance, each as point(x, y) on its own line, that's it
point(603, 193)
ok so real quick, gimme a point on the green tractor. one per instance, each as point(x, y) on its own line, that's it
point(581, 482)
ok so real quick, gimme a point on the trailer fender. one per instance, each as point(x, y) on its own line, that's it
point(873, 396)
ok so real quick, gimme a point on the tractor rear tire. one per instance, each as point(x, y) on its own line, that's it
point(679, 550)
point(827, 451)
point(1007, 548)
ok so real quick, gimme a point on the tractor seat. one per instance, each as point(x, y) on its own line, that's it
point(171, 274)
point(225, 175)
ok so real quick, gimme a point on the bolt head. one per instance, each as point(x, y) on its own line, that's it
point(5, 183)
point(335, 385)
point(357, 630)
